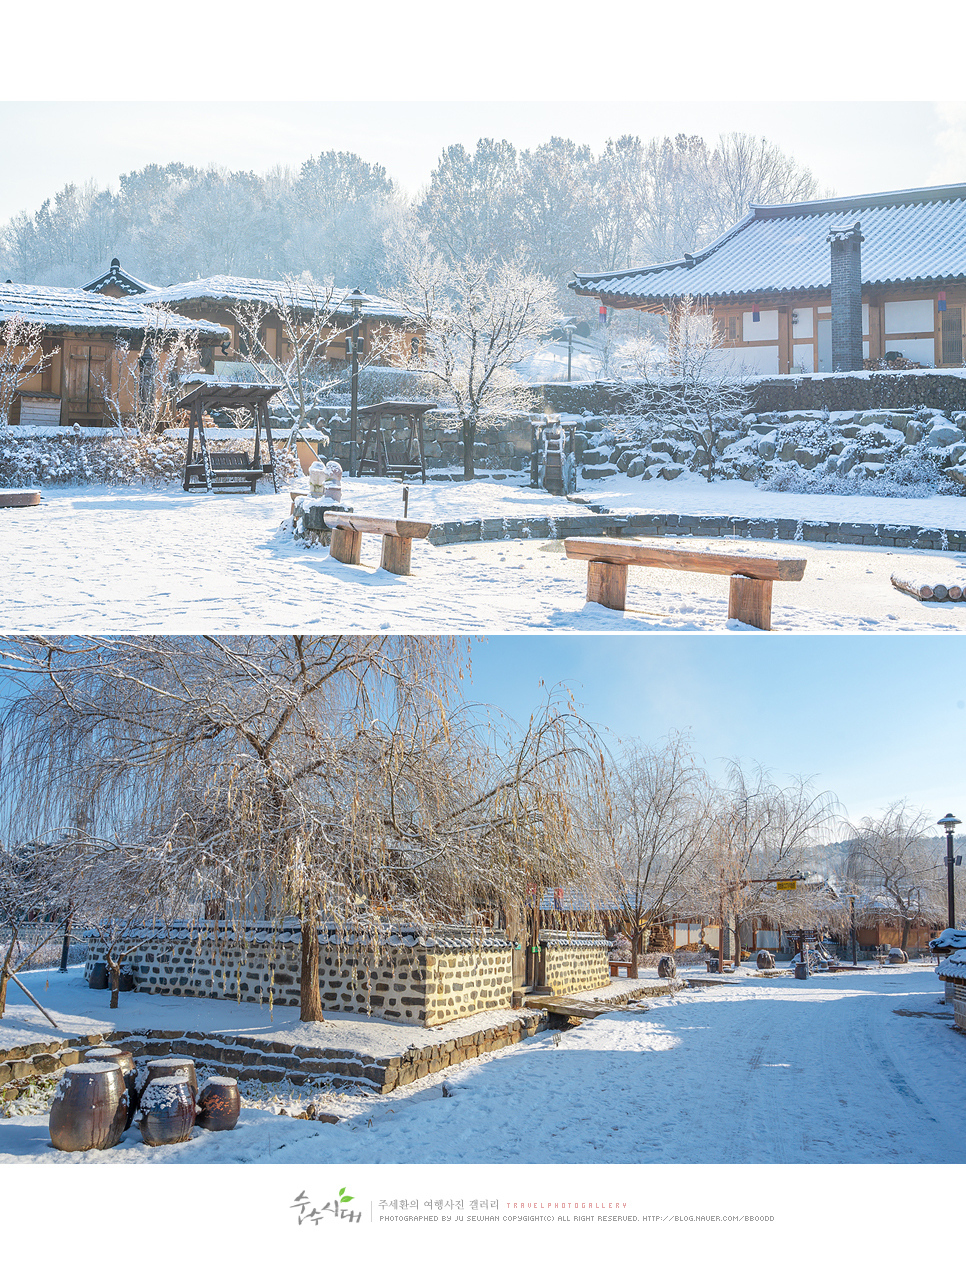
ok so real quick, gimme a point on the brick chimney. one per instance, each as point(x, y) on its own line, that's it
point(846, 297)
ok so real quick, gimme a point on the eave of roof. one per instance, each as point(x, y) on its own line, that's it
point(222, 288)
point(912, 237)
point(60, 309)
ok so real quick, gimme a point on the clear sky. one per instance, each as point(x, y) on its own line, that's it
point(852, 147)
point(871, 718)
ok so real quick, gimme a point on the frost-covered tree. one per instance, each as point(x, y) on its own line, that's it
point(898, 866)
point(22, 357)
point(322, 776)
point(474, 321)
point(653, 834)
point(686, 384)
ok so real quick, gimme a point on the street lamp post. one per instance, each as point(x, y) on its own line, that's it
point(855, 954)
point(949, 823)
point(355, 299)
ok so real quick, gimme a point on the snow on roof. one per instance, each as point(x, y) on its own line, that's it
point(72, 308)
point(954, 967)
point(117, 277)
point(948, 939)
point(266, 291)
point(914, 235)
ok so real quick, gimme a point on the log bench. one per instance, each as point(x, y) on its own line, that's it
point(397, 539)
point(749, 599)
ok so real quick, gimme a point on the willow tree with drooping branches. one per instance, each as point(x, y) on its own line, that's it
point(337, 779)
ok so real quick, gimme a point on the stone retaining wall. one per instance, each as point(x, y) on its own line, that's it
point(247, 1058)
point(879, 390)
point(667, 525)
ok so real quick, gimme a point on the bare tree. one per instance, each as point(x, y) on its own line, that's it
point(475, 320)
point(22, 357)
point(34, 906)
point(287, 340)
point(760, 833)
point(656, 830)
point(141, 400)
point(898, 868)
point(686, 385)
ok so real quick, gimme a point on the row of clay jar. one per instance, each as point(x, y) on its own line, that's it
point(97, 1100)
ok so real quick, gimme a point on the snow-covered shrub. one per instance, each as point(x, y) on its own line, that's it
point(913, 473)
point(114, 460)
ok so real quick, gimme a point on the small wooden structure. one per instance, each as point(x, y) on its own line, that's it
point(749, 600)
point(232, 471)
point(377, 452)
point(553, 458)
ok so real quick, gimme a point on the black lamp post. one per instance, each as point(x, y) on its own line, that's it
point(949, 822)
point(355, 299)
point(855, 954)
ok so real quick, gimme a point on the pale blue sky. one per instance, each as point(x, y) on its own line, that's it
point(852, 147)
point(872, 718)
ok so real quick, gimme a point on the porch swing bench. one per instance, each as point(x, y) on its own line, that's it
point(232, 470)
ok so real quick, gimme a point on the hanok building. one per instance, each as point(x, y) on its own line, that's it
point(88, 338)
point(822, 285)
point(383, 333)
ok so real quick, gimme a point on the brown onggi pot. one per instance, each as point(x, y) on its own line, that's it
point(219, 1103)
point(167, 1111)
point(124, 1060)
point(184, 1068)
point(89, 1112)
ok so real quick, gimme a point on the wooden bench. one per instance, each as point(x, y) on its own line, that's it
point(397, 539)
point(749, 600)
point(230, 470)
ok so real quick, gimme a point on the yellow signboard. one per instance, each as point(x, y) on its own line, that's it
point(785, 886)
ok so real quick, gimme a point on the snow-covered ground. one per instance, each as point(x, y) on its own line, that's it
point(852, 1068)
point(123, 559)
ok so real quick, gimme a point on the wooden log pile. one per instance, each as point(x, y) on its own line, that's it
point(920, 590)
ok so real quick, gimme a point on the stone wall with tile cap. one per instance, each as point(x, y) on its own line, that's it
point(574, 961)
point(408, 977)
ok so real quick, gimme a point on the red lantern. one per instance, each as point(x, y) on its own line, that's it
point(755, 315)
point(942, 302)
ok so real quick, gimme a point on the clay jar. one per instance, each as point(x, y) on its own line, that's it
point(90, 1108)
point(184, 1068)
point(124, 1060)
point(167, 1111)
point(220, 1104)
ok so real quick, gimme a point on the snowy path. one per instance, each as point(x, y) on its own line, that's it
point(122, 560)
point(774, 1072)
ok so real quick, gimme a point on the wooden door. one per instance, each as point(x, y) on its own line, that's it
point(952, 336)
point(89, 376)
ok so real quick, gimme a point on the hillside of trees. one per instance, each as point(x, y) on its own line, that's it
point(555, 208)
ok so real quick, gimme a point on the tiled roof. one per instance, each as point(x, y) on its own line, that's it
point(71, 308)
point(126, 282)
point(909, 236)
point(225, 287)
point(954, 967)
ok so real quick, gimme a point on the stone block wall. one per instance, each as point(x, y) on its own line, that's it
point(503, 446)
point(430, 984)
point(574, 961)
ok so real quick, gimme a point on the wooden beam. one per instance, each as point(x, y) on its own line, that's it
point(346, 545)
point(749, 601)
point(607, 584)
point(619, 551)
point(378, 525)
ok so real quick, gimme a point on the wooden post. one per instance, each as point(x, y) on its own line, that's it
point(396, 554)
point(607, 584)
point(749, 601)
point(346, 545)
